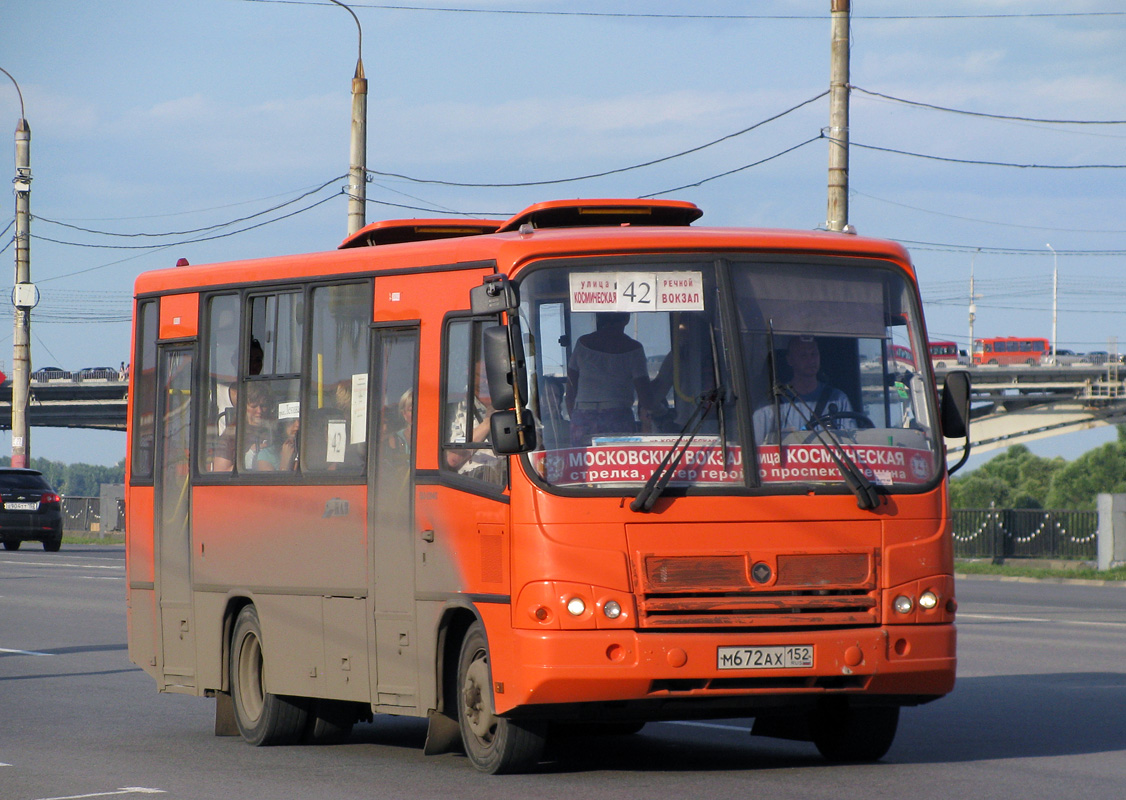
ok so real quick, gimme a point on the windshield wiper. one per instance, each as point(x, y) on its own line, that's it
point(669, 464)
point(866, 495)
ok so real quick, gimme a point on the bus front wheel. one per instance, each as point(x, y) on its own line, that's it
point(263, 718)
point(494, 744)
point(844, 733)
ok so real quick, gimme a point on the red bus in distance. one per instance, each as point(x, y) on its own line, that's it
point(1007, 350)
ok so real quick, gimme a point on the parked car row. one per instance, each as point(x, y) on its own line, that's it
point(46, 374)
point(1066, 357)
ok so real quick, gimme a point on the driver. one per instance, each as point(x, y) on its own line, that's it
point(814, 397)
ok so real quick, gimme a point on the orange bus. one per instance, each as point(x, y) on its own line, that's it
point(561, 472)
point(1010, 350)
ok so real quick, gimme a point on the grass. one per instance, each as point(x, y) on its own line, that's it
point(1017, 570)
point(82, 537)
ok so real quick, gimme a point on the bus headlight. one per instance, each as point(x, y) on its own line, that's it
point(576, 607)
point(612, 609)
point(928, 600)
point(903, 604)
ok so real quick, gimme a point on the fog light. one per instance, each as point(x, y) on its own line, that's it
point(903, 604)
point(928, 600)
point(612, 610)
point(576, 606)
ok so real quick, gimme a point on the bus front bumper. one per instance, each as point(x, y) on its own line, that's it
point(721, 672)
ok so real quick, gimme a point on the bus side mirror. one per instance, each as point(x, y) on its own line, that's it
point(507, 434)
point(955, 412)
point(956, 405)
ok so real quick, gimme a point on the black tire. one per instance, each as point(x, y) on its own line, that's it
point(53, 545)
point(494, 745)
point(853, 735)
point(330, 721)
point(263, 718)
point(12, 544)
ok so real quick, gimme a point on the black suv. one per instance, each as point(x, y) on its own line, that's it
point(30, 510)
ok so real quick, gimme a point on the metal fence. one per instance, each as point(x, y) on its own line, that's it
point(85, 514)
point(1026, 533)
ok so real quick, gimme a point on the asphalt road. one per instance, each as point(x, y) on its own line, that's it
point(1039, 712)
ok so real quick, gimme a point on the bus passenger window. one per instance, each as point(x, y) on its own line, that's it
point(333, 430)
point(221, 340)
point(468, 407)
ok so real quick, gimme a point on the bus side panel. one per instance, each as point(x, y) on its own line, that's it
point(140, 579)
point(288, 549)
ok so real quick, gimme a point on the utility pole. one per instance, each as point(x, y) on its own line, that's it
point(838, 118)
point(973, 304)
point(358, 151)
point(1055, 297)
point(23, 292)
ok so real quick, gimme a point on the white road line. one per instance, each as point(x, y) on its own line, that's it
point(711, 725)
point(126, 790)
point(61, 564)
point(1000, 618)
point(24, 652)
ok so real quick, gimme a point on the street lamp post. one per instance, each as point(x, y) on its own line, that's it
point(357, 169)
point(23, 292)
point(1055, 297)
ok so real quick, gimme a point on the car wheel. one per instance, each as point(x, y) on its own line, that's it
point(53, 544)
point(263, 718)
point(12, 544)
point(494, 744)
point(843, 733)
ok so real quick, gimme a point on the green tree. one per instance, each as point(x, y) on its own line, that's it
point(1015, 479)
point(1096, 471)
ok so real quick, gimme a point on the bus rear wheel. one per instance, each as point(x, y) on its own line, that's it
point(494, 744)
point(263, 718)
point(844, 733)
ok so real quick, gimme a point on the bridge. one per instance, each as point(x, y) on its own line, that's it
point(1011, 404)
point(1017, 404)
point(70, 403)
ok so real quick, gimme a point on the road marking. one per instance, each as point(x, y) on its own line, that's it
point(24, 652)
point(126, 790)
point(18, 563)
point(1000, 618)
point(711, 725)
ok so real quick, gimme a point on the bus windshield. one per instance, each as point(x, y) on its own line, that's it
point(758, 374)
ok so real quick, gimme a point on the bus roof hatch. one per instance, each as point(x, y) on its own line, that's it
point(604, 212)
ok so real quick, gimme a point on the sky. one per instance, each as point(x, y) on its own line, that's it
point(215, 130)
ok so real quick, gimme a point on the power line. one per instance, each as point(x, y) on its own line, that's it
point(990, 116)
point(702, 181)
point(188, 241)
point(635, 15)
point(982, 221)
point(1013, 251)
point(194, 230)
point(617, 171)
point(984, 163)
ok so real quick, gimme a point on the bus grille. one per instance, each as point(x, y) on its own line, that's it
point(801, 590)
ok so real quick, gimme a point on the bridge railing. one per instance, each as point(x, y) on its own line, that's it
point(1001, 533)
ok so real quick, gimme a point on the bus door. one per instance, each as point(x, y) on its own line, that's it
point(394, 382)
point(173, 579)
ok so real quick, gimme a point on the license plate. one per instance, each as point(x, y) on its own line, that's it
point(798, 656)
point(21, 506)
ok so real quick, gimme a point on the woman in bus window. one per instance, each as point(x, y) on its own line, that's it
point(606, 370)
